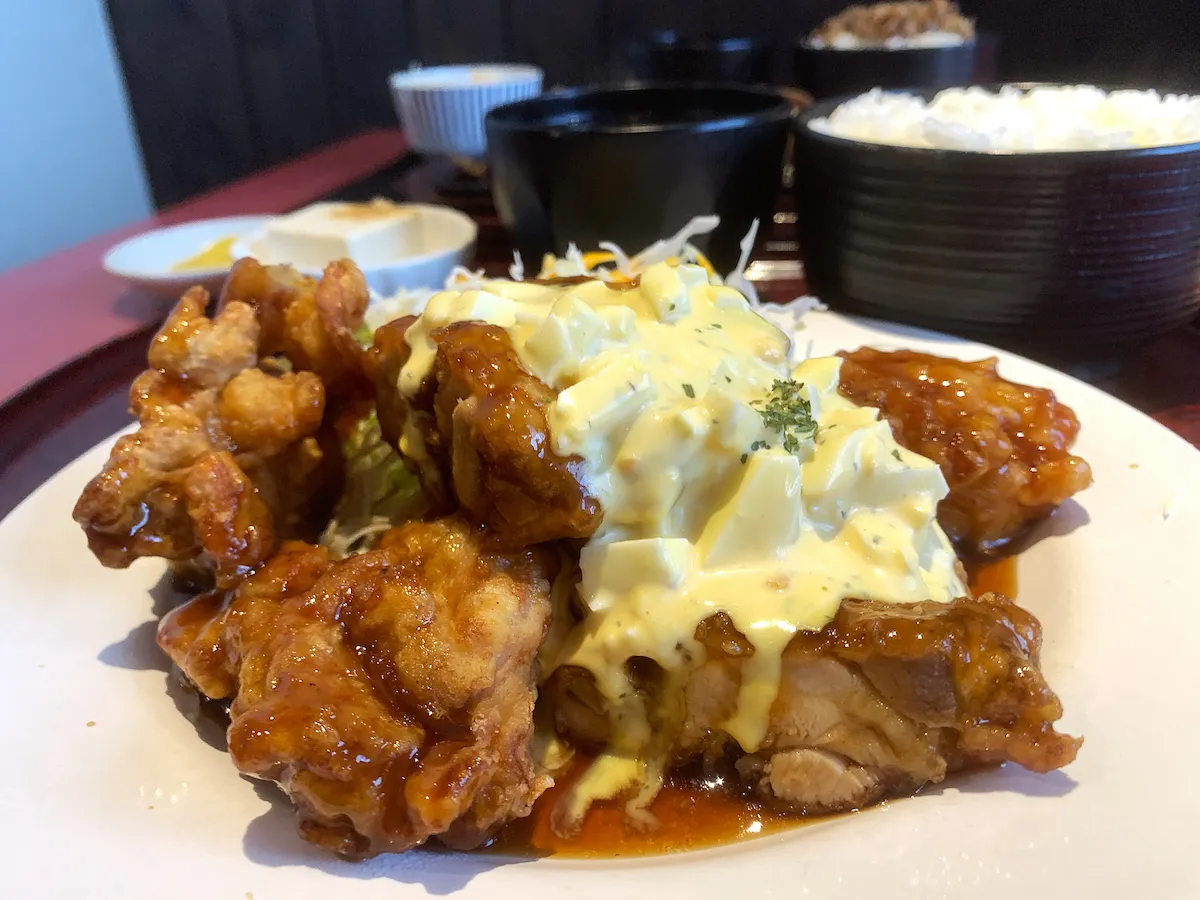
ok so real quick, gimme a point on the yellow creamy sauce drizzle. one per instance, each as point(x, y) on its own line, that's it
point(656, 392)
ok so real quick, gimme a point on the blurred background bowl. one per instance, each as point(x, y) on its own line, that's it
point(442, 108)
point(669, 56)
point(634, 164)
point(826, 72)
point(1063, 255)
point(447, 240)
point(152, 260)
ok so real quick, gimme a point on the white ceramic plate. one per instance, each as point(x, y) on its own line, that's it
point(447, 240)
point(148, 259)
point(138, 805)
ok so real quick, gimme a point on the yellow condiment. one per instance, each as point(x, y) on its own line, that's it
point(217, 255)
point(659, 392)
point(594, 258)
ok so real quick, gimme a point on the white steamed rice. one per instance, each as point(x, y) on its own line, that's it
point(1016, 121)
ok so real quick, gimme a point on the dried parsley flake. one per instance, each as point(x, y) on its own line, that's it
point(786, 411)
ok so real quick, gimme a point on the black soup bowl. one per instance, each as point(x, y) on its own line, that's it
point(634, 164)
point(1066, 255)
point(831, 72)
point(670, 57)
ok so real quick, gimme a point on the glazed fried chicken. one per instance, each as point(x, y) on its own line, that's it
point(390, 694)
point(878, 22)
point(176, 488)
point(882, 700)
point(887, 697)
point(232, 453)
point(1003, 447)
point(310, 323)
point(477, 429)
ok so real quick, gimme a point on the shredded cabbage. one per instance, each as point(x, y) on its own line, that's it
point(569, 265)
point(381, 310)
point(624, 263)
point(737, 278)
point(463, 279)
point(676, 245)
point(573, 264)
point(380, 491)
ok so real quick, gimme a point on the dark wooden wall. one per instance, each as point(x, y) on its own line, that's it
point(220, 88)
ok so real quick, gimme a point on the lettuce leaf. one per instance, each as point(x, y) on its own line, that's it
point(380, 491)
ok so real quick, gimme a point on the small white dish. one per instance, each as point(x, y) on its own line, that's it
point(447, 239)
point(442, 108)
point(149, 259)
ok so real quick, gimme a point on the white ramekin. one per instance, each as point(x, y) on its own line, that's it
point(441, 108)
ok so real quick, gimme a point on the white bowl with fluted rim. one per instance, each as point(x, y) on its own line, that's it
point(441, 108)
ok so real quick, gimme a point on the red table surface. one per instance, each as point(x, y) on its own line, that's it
point(65, 305)
point(76, 334)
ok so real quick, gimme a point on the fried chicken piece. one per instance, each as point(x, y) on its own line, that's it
point(1003, 447)
point(878, 22)
point(206, 353)
point(888, 697)
point(387, 357)
point(166, 489)
point(478, 428)
point(232, 522)
point(310, 322)
point(210, 636)
point(230, 457)
point(885, 698)
point(391, 694)
point(264, 413)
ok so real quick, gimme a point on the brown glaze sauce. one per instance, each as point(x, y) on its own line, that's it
point(993, 575)
point(568, 280)
point(692, 814)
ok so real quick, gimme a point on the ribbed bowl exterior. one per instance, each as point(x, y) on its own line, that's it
point(448, 120)
point(1053, 252)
